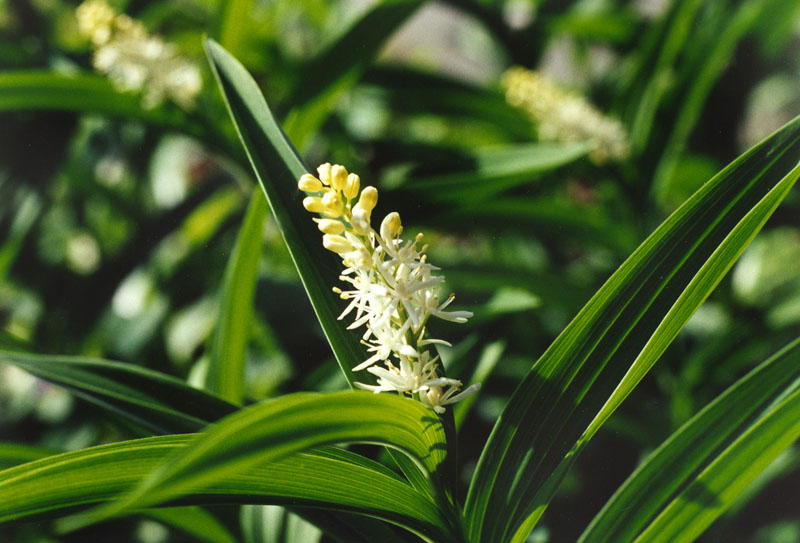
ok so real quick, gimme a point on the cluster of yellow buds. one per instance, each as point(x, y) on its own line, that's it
point(135, 60)
point(338, 189)
point(565, 116)
point(394, 290)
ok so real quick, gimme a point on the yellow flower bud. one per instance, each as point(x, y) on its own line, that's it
point(313, 204)
point(333, 205)
point(338, 177)
point(337, 244)
point(368, 199)
point(309, 183)
point(324, 171)
point(351, 186)
point(391, 226)
point(330, 226)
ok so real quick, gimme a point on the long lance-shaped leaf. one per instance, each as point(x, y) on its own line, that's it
point(328, 478)
point(717, 58)
point(718, 486)
point(13, 454)
point(33, 89)
point(194, 521)
point(352, 528)
point(495, 170)
point(662, 45)
point(278, 167)
point(226, 371)
point(156, 401)
point(274, 524)
point(551, 217)
point(598, 359)
point(674, 465)
point(447, 97)
point(333, 71)
point(290, 424)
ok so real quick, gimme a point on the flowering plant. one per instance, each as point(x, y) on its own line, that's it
point(305, 384)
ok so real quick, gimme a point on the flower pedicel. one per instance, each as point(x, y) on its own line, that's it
point(391, 288)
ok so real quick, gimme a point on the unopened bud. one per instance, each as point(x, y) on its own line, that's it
point(368, 199)
point(338, 177)
point(313, 204)
point(309, 183)
point(324, 171)
point(330, 226)
point(333, 204)
point(352, 186)
point(337, 244)
point(391, 226)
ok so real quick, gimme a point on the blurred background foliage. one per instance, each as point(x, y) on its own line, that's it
point(117, 221)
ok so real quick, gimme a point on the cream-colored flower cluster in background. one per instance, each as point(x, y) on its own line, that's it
point(135, 60)
point(565, 116)
point(392, 289)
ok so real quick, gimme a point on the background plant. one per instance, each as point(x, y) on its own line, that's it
point(128, 236)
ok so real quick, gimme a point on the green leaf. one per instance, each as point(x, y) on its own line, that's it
point(655, 66)
point(154, 400)
point(274, 524)
point(400, 87)
point(715, 61)
point(195, 521)
point(606, 26)
point(12, 454)
point(556, 217)
point(353, 528)
point(263, 523)
point(32, 89)
point(327, 478)
point(232, 23)
point(604, 352)
point(494, 170)
point(293, 423)
point(718, 486)
point(278, 167)
point(332, 72)
point(226, 370)
point(489, 358)
point(678, 462)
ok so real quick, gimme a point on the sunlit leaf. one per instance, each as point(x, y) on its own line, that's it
point(680, 462)
point(154, 400)
point(59, 483)
point(598, 359)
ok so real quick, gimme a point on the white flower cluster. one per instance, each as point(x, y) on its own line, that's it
point(564, 116)
point(135, 60)
point(392, 289)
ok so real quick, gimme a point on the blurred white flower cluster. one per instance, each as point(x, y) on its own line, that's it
point(564, 116)
point(392, 289)
point(135, 60)
point(22, 394)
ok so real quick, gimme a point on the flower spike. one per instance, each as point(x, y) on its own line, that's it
point(394, 291)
